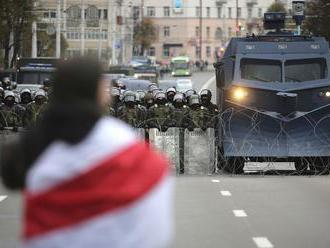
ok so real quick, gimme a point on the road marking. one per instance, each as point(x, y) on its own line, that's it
point(239, 213)
point(262, 242)
point(3, 197)
point(215, 181)
point(208, 83)
point(225, 193)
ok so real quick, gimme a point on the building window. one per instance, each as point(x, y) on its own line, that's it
point(152, 51)
point(136, 12)
point(105, 14)
point(249, 12)
point(52, 14)
point(208, 12)
point(208, 52)
point(229, 12)
point(46, 14)
point(166, 31)
point(218, 34)
point(208, 32)
point(239, 12)
point(166, 51)
point(197, 31)
point(198, 11)
point(260, 12)
point(198, 52)
point(219, 12)
point(166, 11)
point(151, 11)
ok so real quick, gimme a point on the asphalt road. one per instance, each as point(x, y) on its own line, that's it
point(248, 211)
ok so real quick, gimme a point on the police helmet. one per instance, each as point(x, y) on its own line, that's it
point(47, 82)
point(152, 87)
point(26, 96)
point(170, 93)
point(40, 97)
point(160, 97)
point(206, 95)
point(6, 81)
point(194, 100)
point(140, 95)
point(129, 97)
point(190, 92)
point(178, 99)
point(9, 98)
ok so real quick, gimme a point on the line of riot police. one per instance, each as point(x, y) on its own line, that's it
point(162, 110)
point(20, 109)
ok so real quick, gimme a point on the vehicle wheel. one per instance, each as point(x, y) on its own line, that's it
point(234, 165)
point(320, 165)
point(301, 165)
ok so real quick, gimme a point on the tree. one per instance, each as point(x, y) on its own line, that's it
point(276, 7)
point(145, 34)
point(16, 15)
point(318, 18)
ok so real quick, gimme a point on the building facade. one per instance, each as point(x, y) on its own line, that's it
point(178, 25)
point(104, 28)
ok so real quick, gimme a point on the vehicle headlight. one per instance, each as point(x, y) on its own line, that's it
point(239, 94)
point(325, 94)
point(173, 72)
point(187, 72)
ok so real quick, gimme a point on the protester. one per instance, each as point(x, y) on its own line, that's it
point(87, 180)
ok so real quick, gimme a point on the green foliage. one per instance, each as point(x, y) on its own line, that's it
point(15, 16)
point(276, 7)
point(318, 18)
point(145, 34)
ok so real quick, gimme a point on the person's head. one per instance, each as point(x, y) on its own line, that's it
point(26, 96)
point(115, 95)
point(170, 93)
point(47, 83)
point(160, 98)
point(194, 102)
point(79, 80)
point(178, 100)
point(152, 87)
point(6, 82)
point(40, 97)
point(9, 98)
point(140, 95)
point(129, 99)
point(189, 93)
point(148, 100)
point(205, 96)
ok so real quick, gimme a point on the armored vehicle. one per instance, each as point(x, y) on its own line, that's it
point(274, 95)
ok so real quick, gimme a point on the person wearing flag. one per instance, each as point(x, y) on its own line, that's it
point(87, 180)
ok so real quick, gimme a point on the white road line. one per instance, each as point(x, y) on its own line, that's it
point(239, 213)
point(225, 193)
point(3, 197)
point(262, 242)
point(208, 83)
point(215, 181)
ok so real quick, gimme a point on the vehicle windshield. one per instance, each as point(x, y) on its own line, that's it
point(33, 77)
point(305, 70)
point(263, 70)
point(181, 65)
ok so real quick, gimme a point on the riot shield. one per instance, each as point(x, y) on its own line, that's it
point(199, 152)
point(169, 143)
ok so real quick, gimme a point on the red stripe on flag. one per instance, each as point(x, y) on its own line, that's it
point(115, 183)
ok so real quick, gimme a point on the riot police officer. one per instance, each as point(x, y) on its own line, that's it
point(130, 112)
point(116, 102)
point(180, 113)
point(35, 109)
point(206, 97)
point(199, 115)
point(11, 114)
point(2, 95)
point(159, 113)
point(188, 93)
point(148, 100)
point(6, 83)
point(170, 93)
point(25, 97)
